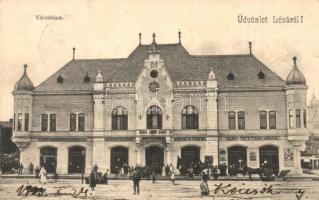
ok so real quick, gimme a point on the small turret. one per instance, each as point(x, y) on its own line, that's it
point(24, 83)
point(295, 77)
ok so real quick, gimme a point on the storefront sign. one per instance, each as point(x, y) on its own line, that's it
point(288, 157)
point(61, 139)
point(248, 138)
point(252, 156)
point(119, 139)
point(190, 139)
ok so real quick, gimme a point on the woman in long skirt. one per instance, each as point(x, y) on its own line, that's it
point(43, 175)
point(204, 185)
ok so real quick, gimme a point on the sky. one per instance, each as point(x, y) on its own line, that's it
point(109, 29)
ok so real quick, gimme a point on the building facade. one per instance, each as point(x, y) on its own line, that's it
point(310, 157)
point(158, 104)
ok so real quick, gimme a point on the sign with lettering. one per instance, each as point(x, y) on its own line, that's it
point(119, 139)
point(190, 139)
point(248, 138)
point(61, 139)
point(288, 157)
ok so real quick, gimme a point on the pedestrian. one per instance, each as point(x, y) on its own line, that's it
point(31, 168)
point(20, 169)
point(105, 177)
point(136, 181)
point(204, 184)
point(92, 181)
point(43, 175)
point(153, 175)
point(172, 174)
point(37, 172)
point(215, 172)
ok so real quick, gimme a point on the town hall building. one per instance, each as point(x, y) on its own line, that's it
point(160, 104)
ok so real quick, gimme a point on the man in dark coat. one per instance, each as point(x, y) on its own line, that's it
point(92, 182)
point(31, 168)
point(136, 177)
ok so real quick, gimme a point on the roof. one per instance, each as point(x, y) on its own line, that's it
point(24, 83)
point(295, 77)
point(179, 63)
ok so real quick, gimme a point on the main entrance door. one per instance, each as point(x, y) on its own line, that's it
point(269, 154)
point(237, 157)
point(154, 156)
point(119, 157)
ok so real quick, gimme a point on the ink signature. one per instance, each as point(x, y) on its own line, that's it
point(25, 190)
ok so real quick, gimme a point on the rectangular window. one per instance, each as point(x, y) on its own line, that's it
point(241, 120)
point(231, 120)
point(72, 122)
point(291, 116)
point(19, 121)
point(305, 118)
point(298, 122)
point(272, 120)
point(44, 122)
point(26, 121)
point(263, 119)
point(52, 122)
point(81, 122)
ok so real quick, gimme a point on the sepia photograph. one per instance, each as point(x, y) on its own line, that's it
point(146, 99)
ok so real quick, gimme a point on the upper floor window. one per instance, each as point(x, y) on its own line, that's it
point(48, 122)
point(154, 117)
point(305, 118)
point(81, 120)
point(44, 122)
point(263, 119)
point(241, 120)
point(272, 120)
point(298, 119)
point(19, 121)
point(52, 122)
point(291, 115)
point(231, 120)
point(26, 121)
point(72, 122)
point(189, 117)
point(119, 118)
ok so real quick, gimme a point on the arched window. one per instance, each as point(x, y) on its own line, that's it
point(72, 122)
point(189, 117)
point(154, 117)
point(119, 119)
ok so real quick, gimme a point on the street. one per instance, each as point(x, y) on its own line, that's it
point(184, 189)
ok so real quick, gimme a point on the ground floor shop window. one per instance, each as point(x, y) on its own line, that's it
point(48, 159)
point(76, 160)
point(268, 156)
